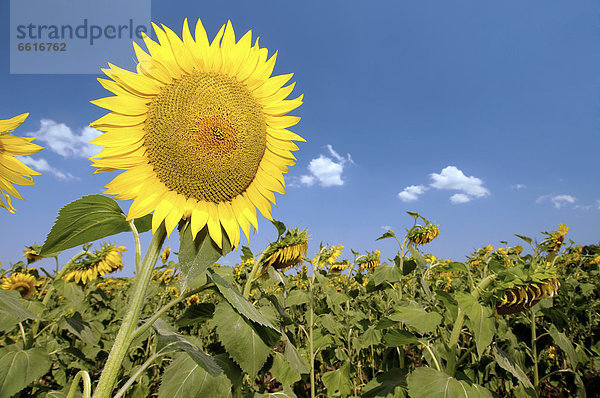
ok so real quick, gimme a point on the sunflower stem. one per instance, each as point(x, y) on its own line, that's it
point(128, 327)
point(536, 375)
point(138, 246)
point(251, 277)
point(87, 384)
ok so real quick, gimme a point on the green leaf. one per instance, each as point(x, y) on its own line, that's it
point(196, 255)
point(143, 224)
point(408, 266)
point(80, 328)
point(168, 340)
point(297, 297)
point(338, 381)
point(508, 364)
point(385, 273)
point(239, 302)
point(370, 337)
point(195, 314)
point(12, 305)
point(525, 238)
point(20, 368)
point(241, 341)
point(388, 234)
point(417, 318)
point(85, 220)
point(293, 357)
point(184, 378)
point(280, 228)
point(282, 371)
point(421, 262)
point(482, 320)
point(399, 338)
point(426, 382)
point(386, 384)
point(565, 344)
point(413, 214)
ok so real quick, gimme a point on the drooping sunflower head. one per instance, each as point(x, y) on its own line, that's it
point(288, 251)
point(370, 261)
point(521, 298)
point(12, 170)
point(200, 130)
point(100, 262)
point(422, 234)
point(23, 283)
point(31, 253)
point(339, 266)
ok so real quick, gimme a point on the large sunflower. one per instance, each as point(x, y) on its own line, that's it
point(13, 171)
point(200, 130)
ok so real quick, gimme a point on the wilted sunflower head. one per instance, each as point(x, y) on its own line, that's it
point(288, 251)
point(200, 130)
point(370, 261)
point(521, 298)
point(23, 283)
point(12, 170)
point(339, 266)
point(422, 234)
point(100, 262)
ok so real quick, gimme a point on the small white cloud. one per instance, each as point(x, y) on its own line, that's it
point(386, 227)
point(42, 165)
point(307, 180)
point(460, 198)
point(411, 193)
point(557, 200)
point(454, 179)
point(60, 138)
point(518, 186)
point(325, 170)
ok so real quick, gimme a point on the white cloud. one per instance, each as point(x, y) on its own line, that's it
point(460, 198)
point(386, 227)
point(412, 192)
point(454, 179)
point(557, 200)
point(518, 186)
point(42, 165)
point(325, 170)
point(60, 138)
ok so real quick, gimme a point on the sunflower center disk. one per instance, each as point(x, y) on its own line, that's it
point(205, 137)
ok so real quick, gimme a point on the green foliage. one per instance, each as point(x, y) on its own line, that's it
point(385, 333)
point(88, 219)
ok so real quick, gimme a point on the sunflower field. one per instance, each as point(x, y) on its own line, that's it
point(502, 323)
point(199, 135)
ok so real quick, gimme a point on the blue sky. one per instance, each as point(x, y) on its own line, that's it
point(482, 116)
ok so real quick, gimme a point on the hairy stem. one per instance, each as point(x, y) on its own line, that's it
point(126, 332)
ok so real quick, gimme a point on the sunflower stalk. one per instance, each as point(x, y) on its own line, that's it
point(87, 384)
point(458, 324)
point(534, 355)
point(128, 327)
